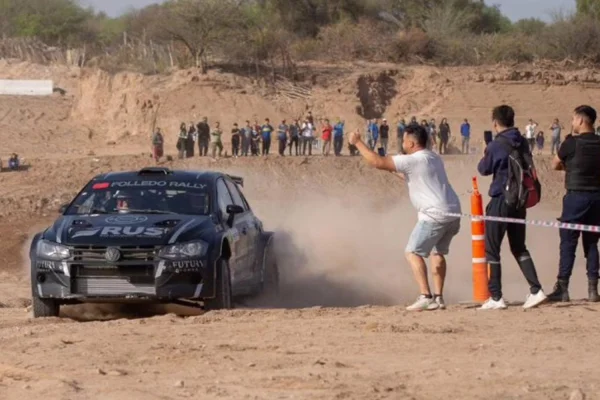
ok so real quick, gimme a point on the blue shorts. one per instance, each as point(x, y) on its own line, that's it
point(428, 237)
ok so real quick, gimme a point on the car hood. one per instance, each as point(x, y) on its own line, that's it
point(127, 229)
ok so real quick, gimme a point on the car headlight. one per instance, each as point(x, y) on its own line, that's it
point(52, 251)
point(184, 250)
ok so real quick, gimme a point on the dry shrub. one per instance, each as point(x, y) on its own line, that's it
point(411, 44)
point(366, 40)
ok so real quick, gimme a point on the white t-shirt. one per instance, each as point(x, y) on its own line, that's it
point(530, 131)
point(428, 185)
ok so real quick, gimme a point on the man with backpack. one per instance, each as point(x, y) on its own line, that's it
point(579, 157)
point(514, 188)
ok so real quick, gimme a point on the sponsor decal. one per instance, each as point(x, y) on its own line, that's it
point(160, 184)
point(121, 231)
point(47, 265)
point(126, 219)
point(186, 266)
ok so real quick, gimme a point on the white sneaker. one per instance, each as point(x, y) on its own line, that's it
point(437, 304)
point(422, 303)
point(492, 304)
point(534, 300)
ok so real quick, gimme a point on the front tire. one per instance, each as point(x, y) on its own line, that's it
point(223, 299)
point(43, 308)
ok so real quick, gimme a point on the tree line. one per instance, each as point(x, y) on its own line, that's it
point(273, 35)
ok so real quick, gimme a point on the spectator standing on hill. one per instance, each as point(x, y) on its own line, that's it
point(539, 142)
point(282, 132)
point(530, 129)
point(433, 132)
point(465, 133)
point(191, 141)
point(203, 137)
point(495, 162)
point(425, 125)
point(216, 141)
point(266, 130)
point(182, 141)
point(235, 141)
point(294, 134)
point(579, 157)
point(338, 137)
point(374, 128)
point(384, 132)
point(327, 133)
point(307, 137)
point(246, 138)
point(157, 145)
point(400, 135)
point(556, 129)
point(254, 143)
point(444, 136)
point(431, 194)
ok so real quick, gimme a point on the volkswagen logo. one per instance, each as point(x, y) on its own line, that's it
point(112, 254)
point(126, 219)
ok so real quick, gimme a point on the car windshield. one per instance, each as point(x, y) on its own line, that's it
point(144, 197)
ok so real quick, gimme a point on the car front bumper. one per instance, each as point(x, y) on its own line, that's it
point(159, 280)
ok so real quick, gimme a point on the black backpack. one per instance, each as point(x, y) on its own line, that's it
point(523, 188)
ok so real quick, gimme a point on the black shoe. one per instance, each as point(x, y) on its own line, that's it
point(593, 291)
point(560, 292)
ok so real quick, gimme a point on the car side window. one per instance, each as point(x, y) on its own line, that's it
point(235, 193)
point(223, 197)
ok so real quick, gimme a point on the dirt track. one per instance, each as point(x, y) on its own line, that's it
point(348, 225)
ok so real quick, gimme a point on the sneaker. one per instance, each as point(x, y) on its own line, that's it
point(492, 304)
point(437, 304)
point(423, 303)
point(534, 300)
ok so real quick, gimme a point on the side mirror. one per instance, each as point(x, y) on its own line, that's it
point(63, 208)
point(233, 209)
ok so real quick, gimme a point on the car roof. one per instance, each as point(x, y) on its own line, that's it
point(166, 174)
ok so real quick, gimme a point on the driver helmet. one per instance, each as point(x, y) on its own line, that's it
point(126, 200)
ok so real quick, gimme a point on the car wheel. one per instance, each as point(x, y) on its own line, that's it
point(45, 307)
point(271, 274)
point(223, 299)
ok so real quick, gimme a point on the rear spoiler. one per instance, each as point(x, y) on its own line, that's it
point(237, 179)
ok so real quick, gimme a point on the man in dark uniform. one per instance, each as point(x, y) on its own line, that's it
point(579, 157)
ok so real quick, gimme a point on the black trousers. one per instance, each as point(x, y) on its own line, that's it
point(338, 143)
point(579, 208)
point(294, 142)
point(282, 144)
point(494, 236)
point(266, 145)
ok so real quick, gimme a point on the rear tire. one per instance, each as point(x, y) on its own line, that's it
point(43, 308)
point(223, 299)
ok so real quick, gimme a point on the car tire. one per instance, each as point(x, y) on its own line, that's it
point(223, 299)
point(270, 284)
point(43, 308)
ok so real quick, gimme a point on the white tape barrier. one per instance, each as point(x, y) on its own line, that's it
point(547, 224)
point(26, 87)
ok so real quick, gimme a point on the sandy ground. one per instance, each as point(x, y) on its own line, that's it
point(339, 330)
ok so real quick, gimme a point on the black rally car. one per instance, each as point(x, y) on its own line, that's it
point(156, 235)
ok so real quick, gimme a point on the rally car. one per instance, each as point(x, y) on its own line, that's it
point(156, 235)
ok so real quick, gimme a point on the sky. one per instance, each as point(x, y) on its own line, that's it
point(514, 9)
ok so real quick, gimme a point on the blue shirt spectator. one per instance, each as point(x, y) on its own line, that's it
point(465, 129)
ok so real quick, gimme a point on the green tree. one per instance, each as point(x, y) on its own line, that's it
point(529, 26)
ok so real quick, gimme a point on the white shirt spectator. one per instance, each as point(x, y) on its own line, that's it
point(428, 185)
point(307, 129)
point(530, 131)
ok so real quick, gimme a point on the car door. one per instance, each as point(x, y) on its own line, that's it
point(244, 223)
point(235, 262)
point(255, 230)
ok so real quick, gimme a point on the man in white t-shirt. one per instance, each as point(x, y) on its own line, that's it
point(432, 195)
point(530, 133)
